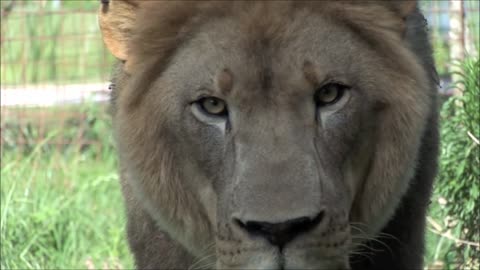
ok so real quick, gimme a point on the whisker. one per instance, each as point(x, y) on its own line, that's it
point(370, 238)
point(208, 254)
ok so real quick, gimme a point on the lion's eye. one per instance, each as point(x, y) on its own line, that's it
point(213, 106)
point(329, 94)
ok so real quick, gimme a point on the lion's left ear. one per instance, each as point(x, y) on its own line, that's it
point(403, 7)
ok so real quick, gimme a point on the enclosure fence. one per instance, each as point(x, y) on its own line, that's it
point(54, 68)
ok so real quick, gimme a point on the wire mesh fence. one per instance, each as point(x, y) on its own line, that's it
point(53, 62)
point(53, 65)
point(455, 30)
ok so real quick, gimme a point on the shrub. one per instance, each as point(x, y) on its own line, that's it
point(458, 184)
point(67, 128)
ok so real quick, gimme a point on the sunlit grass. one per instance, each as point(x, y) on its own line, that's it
point(61, 209)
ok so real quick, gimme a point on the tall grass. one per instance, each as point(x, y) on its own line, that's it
point(61, 208)
point(457, 192)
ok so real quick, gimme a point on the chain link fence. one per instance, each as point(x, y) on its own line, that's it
point(54, 67)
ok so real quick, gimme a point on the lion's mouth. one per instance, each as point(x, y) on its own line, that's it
point(262, 245)
point(281, 259)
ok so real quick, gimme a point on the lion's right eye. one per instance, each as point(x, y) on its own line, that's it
point(213, 106)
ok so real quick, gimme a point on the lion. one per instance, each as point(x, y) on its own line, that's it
point(273, 134)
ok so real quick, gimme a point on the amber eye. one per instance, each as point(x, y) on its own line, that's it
point(213, 106)
point(329, 94)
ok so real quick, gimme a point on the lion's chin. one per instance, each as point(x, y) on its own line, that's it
point(287, 259)
point(313, 258)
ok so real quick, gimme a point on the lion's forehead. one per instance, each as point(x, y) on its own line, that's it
point(266, 46)
point(266, 30)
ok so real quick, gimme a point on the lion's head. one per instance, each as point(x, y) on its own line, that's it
point(267, 134)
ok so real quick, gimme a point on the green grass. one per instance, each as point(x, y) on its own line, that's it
point(61, 208)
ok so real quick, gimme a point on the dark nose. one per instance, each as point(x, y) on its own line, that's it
point(279, 234)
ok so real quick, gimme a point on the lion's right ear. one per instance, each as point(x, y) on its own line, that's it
point(404, 7)
point(116, 19)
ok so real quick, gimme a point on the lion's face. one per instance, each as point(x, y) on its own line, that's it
point(273, 126)
point(274, 136)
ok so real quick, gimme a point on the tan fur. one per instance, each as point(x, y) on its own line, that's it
point(116, 21)
point(149, 36)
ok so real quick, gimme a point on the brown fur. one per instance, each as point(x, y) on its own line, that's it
point(175, 217)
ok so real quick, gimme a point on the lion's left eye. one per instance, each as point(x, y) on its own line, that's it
point(329, 94)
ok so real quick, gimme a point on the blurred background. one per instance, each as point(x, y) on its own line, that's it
point(60, 201)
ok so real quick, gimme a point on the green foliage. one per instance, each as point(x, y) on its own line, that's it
point(85, 4)
point(441, 54)
point(61, 46)
point(84, 128)
point(53, 4)
point(458, 182)
point(61, 208)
